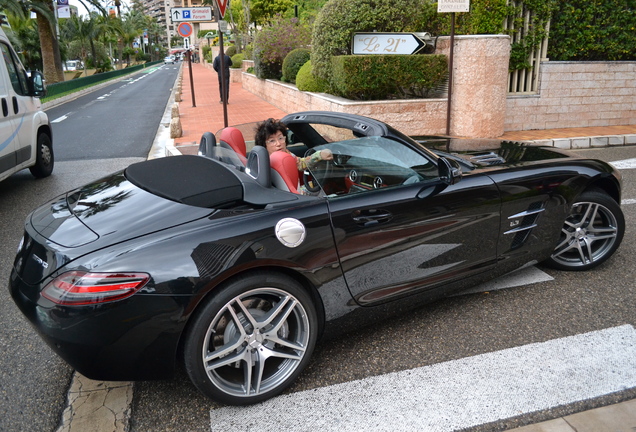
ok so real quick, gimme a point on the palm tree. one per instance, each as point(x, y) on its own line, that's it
point(46, 21)
point(24, 37)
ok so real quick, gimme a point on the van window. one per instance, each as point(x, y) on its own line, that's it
point(17, 74)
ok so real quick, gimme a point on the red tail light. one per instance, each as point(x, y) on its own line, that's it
point(82, 288)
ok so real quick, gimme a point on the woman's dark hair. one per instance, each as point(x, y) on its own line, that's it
point(266, 129)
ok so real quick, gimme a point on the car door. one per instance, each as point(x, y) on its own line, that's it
point(399, 229)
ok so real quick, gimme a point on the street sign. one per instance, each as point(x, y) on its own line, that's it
point(178, 14)
point(223, 25)
point(453, 6)
point(222, 4)
point(386, 43)
point(184, 29)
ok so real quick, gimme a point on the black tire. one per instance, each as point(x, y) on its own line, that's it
point(592, 232)
point(44, 159)
point(262, 320)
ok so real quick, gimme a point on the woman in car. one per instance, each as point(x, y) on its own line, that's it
point(272, 134)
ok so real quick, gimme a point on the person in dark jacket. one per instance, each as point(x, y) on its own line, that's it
point(217, 67)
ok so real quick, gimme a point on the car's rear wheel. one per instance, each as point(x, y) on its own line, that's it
point(44, 157)
point(251, 339)
point(591, 233)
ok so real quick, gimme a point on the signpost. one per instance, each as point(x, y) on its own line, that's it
point(452, 6)
point(178, 14)
point(386, 43)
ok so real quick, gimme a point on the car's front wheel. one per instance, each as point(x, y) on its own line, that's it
point(251, 339)
point(44, 157)
point(591, 233)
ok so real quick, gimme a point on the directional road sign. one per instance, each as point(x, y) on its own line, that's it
point(386, 43)
point(191, 14)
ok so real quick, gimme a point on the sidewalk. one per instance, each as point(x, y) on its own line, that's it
point(244, 107)
point(207, 115)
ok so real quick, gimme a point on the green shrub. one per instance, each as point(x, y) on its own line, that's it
point(249, 52)
point(293, 62)
point(340, 19)
point(274, 42)
point(372, 77)
point(237, 61)
point(593, 30)
point(230, 50)
point(306, 81)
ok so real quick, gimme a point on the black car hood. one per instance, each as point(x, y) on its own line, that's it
point(111, 209)
point(481, 153)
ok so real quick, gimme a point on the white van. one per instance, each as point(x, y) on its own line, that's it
point(26, 140)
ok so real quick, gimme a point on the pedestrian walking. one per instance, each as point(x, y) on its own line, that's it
point(227, 62)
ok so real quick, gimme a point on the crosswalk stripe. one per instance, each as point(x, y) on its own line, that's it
point(456, 394)
point(624, 164)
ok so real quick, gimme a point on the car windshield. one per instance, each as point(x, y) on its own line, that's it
point(367, 164)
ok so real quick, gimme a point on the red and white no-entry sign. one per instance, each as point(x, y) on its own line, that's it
point(184, 29)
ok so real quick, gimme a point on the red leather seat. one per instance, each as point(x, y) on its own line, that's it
point(234, 138)
point(284, 165)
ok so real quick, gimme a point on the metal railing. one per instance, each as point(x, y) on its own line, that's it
point(526, 80)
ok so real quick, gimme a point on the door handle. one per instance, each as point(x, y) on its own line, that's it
point(5, 107)
point(371, 217)
point(15, 105)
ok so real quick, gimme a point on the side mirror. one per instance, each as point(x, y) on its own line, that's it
point(36, 83)
point(450, 172)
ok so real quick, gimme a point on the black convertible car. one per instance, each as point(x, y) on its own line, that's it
point(217, 262)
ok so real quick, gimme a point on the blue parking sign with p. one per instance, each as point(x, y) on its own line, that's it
point(186, 14)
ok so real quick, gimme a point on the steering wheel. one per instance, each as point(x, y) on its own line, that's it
point(309, 181)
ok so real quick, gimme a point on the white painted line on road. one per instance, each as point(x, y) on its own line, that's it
point(60, 119)
point(628, 201)
point(624, 164)
point(456, 394)
point(525, 276)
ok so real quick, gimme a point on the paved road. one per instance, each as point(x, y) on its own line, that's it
point(94, 135)
point(454, 329)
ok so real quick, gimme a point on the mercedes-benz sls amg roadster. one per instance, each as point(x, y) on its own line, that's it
point(235, 263)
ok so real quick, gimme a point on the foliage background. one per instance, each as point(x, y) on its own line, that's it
point(593, 30)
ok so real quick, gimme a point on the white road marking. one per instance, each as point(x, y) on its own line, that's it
point(60, 119)
point(524, 276)
point(624, 164)
point(628, 201)
point(457, 394)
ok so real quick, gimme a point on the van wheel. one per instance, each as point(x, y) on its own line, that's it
point(44, 158)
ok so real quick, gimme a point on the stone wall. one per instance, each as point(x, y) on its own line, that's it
point(478, 106)
point(571, 94)
point(577, 94)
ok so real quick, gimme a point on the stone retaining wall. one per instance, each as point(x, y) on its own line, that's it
point(571, 94)
point(577, 94)
point(480, 81)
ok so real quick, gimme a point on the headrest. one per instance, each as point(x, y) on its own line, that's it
point(207, 144)
point(234, 138)
point(258, 166)
point(285, 165)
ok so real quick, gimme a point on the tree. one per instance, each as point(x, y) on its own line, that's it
point(46, 22)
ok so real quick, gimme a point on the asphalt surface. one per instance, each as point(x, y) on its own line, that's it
point(33, 381)
point(451, 329)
